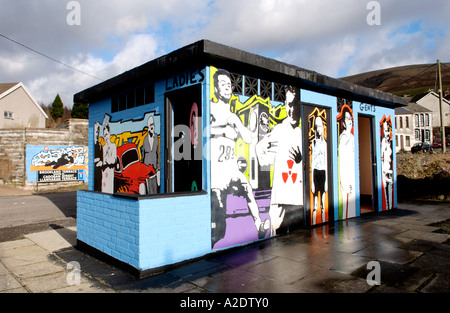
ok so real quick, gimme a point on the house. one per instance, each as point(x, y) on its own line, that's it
point(413, 124)
point(430, 101)
point(209, 148)
point(19, 108)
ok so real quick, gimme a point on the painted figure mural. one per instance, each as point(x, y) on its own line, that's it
point(318, 165)
point(150, 156)
point(387, 183)
point(282, 146)
point(346, 161)
point(226, 177)
point(126, 155)
point(256, 163)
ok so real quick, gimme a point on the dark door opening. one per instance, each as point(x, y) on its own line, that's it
point(184, 145)
point(367, 164)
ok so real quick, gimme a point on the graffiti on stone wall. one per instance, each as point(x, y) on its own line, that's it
point(256, 163)
point(387, 171)
point(127, 155)
point(60, 158)
point(346, 160)
point(56, 163)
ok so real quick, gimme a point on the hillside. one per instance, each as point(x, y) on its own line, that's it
point(410, 79)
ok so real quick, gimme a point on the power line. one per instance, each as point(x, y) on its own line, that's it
point(410, 77)
point(48, 57)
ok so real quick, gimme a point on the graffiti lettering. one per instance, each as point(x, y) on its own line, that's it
point(367, 107)
point(184, 79)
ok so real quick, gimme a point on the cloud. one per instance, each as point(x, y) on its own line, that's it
point(331, 37)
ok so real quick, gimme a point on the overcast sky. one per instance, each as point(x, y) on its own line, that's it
point(331, 37)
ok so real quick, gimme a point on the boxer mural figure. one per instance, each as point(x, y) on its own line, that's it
point(256, 163)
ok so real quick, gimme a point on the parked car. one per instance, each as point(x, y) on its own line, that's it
point(131, 175)
point(421, 147)
point(438, 143)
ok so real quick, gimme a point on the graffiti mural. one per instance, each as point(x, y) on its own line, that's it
point(127, 155)
point(387, 170)
point(56, 163)
point(60, 158)
point(256, 163)
point(346, 160)
point(318, 172)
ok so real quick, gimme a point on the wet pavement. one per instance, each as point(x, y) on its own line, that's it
point(411, 254)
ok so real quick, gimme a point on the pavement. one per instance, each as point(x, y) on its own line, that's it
point(410, 250)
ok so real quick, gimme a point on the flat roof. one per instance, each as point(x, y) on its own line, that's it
point(205, 52)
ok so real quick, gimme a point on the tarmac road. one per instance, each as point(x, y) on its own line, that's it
point(23, 214)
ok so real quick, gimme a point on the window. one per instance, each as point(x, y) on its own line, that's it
point(133, 98)
point(406, 122)
point(279, 93)
point(401, 122)
point(149, 94)
point(8, 115)
point(421, 120)
point(427, 135)
point(416, 120)
point(236, 83)
point(396, 140)
point(427, 120)
point(407, 141)
point(417, 133)
point(140, 99)
point(265, 89)
point(251, 86)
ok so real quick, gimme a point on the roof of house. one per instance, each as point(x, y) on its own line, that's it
point(414, 107)
point(205, 52)
point(411, 108)
point(429, 93)
point(7, 88)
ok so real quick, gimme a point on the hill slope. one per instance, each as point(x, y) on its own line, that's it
point(410, 79)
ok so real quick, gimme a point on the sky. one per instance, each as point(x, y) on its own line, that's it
point(78, 44)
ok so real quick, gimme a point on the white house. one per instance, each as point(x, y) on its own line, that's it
point(430, 101)
point(413, 124)
point(19, 108)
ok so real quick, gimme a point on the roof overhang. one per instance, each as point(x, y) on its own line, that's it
point(206, 52)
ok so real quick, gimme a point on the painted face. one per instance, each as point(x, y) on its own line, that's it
point(319, 126)
point(348, 121)
point(386, 130)
point(151, 125)
point(292, 110)
point(105, 132)
point(224, 88)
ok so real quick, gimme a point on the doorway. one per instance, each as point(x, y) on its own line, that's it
point(367, 164)
point(183, 125)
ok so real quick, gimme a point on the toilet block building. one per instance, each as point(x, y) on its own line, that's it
point(210, 147)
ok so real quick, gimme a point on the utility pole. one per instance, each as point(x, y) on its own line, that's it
point(444, 149)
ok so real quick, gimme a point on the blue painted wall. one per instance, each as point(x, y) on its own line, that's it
point(157, 231)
